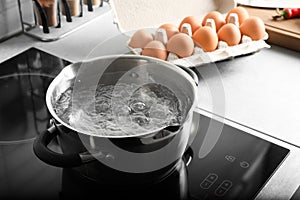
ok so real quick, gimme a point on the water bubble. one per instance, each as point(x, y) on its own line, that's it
point(138, 106)
point(140, 119)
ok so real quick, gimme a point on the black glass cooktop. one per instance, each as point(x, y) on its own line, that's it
point(237, 167)
point(24, 80)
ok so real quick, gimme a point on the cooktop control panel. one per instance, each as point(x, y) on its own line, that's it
point(237, 167)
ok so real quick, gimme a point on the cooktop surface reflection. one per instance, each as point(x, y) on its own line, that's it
point(237, 167)
point(24, 80)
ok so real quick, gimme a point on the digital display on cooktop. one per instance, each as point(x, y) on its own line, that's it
point(236, 168)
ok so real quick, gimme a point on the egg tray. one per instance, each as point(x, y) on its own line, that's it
point(199, 57)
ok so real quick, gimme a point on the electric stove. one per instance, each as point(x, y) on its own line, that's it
point(237, 167)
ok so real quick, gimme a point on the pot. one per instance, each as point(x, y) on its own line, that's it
point(140, 157)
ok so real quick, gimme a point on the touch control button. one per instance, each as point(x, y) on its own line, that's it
point(209, 181)
point(220, 191)
point(244, 164)
point(205, 184)
point(226, 184)
point(230, 158)
point(223, 188)
point(212, 177)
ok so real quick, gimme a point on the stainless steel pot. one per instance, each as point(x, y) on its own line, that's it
point(101, 157)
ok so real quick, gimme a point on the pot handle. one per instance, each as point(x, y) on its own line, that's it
point(191, 73)
point(41, 150)
point(165, 134)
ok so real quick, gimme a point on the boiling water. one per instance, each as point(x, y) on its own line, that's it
point(123, 109)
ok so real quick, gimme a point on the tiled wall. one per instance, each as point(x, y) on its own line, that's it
point(10, 22)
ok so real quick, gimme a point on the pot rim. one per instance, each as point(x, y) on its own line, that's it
point(62, 75)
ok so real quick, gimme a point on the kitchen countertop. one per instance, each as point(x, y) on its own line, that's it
point(259, 90)
point(262, 92)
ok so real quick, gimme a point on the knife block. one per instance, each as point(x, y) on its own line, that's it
point(67, 24)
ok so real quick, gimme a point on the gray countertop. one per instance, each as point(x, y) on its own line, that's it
point(260, 90)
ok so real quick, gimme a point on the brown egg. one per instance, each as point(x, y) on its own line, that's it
point(194, 21)
point(181, 44)
point(241, 12)
point(217, 17)
point(140, 38)
point(230, 34)
point(171, 29)
point(206, 38)
point(253, 27)
point(155, 49)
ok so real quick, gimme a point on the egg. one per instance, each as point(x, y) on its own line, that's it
point(194, 21)
point(155, 49)
point(217, 17)
point(230, 34)
point(206, 38)
point(140, 38)
point(241, 12)
point(181, 44)
point(254, 28)
point(171, 29)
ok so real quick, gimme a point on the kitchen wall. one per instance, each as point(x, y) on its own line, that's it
point(10, 22)
point(153, 13)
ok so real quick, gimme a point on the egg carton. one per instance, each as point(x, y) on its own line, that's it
point(133, 15)
point(223, 52)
